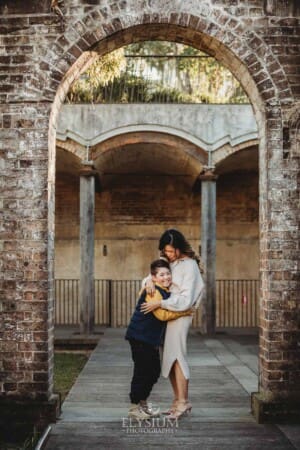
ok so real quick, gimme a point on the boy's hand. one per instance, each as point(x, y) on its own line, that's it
point(147, 307)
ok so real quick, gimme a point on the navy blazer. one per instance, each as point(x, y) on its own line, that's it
point(146, 327)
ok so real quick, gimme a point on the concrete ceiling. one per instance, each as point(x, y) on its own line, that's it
point(136, 154)
point(246, 159)
point(67, 162)
point(146, 159)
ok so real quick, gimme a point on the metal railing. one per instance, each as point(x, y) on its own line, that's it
point(237, 303)
point(66, 304)
point(115, 300)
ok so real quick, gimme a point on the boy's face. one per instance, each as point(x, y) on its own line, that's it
point(163, 277)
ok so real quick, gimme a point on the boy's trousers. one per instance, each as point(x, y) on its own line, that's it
point(146, 370)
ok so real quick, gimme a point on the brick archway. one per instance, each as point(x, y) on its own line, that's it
point(260, 74)
point(215, 39)
point(239, 39)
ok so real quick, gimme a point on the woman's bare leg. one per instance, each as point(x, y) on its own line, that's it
point(182, 384)
point(173, 383)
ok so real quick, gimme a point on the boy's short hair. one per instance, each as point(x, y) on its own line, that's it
point(157, 264)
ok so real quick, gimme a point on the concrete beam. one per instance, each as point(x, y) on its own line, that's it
point(209, 127)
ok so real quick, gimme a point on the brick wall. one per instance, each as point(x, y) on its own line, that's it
point(24, 231)
point(40, 55)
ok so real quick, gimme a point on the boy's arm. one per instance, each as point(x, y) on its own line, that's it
point(163, 314)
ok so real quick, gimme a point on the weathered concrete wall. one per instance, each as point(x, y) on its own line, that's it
point(130, 218)
point(40, 56)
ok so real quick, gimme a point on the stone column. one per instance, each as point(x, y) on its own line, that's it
point(87, 212)
point(208, 248)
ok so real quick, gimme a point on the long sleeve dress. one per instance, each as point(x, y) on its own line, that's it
point(190, 287)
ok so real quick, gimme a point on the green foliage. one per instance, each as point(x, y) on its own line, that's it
point(31, 442)
point(169, 95)
point(132, 89)
point(100, 73)
point(67, 367)
point(157, 71)
point(165, 48)
point(124, 89)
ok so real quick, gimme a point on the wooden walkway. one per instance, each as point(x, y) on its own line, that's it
point(223, 373)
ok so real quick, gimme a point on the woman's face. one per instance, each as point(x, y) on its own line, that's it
point(171, 253)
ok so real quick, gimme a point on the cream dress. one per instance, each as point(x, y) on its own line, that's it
point(187, 292)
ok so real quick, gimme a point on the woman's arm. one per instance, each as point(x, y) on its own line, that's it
point(148, 284)
point(190, 290)
point(163, 314)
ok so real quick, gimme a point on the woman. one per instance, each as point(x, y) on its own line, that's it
point(188, 289)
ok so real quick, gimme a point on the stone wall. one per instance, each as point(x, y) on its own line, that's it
point(41, 53)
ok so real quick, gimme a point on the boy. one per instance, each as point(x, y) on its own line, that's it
point(145, 334)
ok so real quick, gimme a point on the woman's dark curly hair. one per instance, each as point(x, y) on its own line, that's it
point(178, 241)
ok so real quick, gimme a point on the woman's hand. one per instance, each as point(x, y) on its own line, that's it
point(147, 307)
point(150, 287)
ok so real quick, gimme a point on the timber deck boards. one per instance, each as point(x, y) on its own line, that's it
point(223, 373)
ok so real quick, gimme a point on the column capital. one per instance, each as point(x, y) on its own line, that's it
point(87, 169)
point(207, 174)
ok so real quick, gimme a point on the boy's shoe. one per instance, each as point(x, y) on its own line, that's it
point(150, 409)
point(137, 412)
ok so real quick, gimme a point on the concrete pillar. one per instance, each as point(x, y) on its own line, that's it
point(208, 248)
point(87, 212)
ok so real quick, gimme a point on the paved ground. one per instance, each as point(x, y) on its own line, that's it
point(223, 373)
